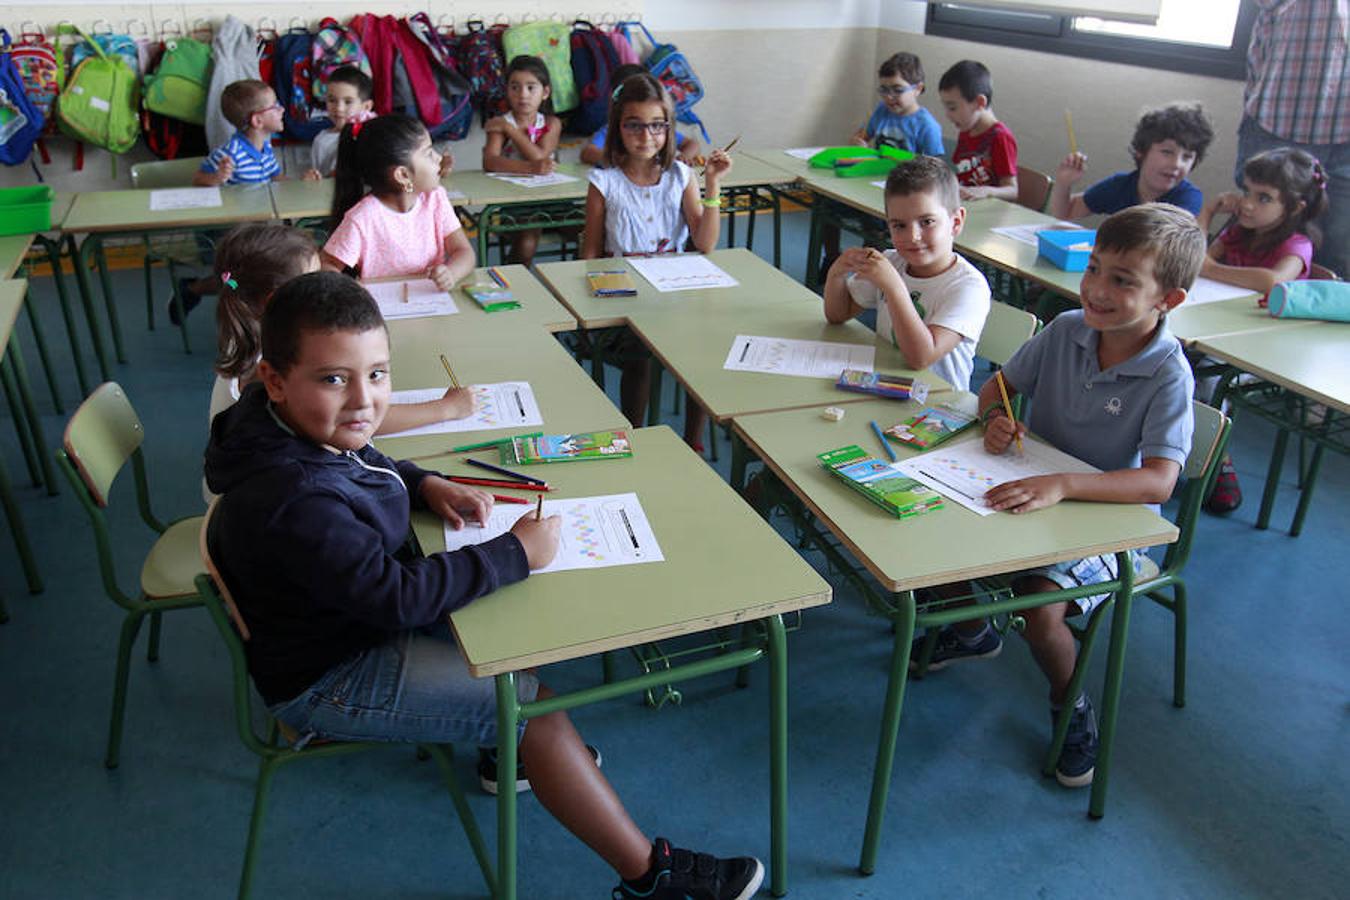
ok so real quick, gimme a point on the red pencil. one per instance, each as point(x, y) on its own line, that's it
point(492, 482)
point(502, 498)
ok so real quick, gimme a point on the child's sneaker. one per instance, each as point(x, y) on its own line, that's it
point(487, 769)
point(951, 649)
point(1078, 759)
point(1226, 495)
point(686, 875)
point(187, 297)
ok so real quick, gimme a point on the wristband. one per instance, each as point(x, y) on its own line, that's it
point(712, 202)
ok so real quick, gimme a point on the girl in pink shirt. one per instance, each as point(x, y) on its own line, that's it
point(405, 225)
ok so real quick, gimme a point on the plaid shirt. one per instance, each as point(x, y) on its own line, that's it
point(1298, 84)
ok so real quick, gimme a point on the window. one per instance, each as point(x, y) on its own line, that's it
point(1207, 38)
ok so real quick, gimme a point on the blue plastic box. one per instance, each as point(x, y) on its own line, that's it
point(1054, 245)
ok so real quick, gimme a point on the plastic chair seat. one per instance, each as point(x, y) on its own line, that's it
point(1148, 570)
point(173, 562)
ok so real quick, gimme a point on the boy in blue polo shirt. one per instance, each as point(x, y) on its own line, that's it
point(1168, 143)
point(1110, 385)
point(246, 158)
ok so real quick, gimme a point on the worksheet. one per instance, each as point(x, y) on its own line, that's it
point(184, 198)
point(412, 299)
point(1207, 290)
point(965, 471)
point(681, 272)
point(532, 181)
point(1026, 234)
point(597, 532)
point(803, 153)
point(505, 404)
point(805, 359)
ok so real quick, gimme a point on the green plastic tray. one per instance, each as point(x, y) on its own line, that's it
point(25, 210)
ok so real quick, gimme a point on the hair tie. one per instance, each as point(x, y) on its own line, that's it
point(1319, 177)
point(614, 94)
point(230, 282)
point(356, 129)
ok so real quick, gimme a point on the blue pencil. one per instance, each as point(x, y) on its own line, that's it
point(885, 444)
point(507, 472)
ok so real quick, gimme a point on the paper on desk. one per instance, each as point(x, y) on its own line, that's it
point(505, 404)
point(880, 184)
point(456, 196)
point(184, 198)
point(423, 299)
point(1207, 290)
point(597, 532)
point(805, 359)
point(964, 472)
point(803, 152)
point(1026, 234)
point(681, 272)
point(530, 181)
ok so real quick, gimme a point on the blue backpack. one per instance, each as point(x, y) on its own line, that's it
point(20, 121)
point(673, 69)
point(292, 71)
point(594, 60)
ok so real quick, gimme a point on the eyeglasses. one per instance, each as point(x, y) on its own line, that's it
point(652, 128)
point(267, 109)
point(886, 90)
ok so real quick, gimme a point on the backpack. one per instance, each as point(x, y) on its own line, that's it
point(100, 101)
point(172, 138)
point(453, 89)
point(593, 63)
point(627, 55)
point(20, 121)
point(267, 52)
point(38, 70)
point(672, 69)
point(294, 83)
point(178, 86)
point(551, 42)
point(333, 46)
point(401, 69)
point(118, 45)
point(481, 61)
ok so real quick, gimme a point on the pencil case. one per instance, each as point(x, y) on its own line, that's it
point(859, 162)
point(1318, 299)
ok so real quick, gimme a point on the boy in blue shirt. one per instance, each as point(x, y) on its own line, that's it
point(1168, 143)
point(349, 639)
point(1110, 385)
point(246, 158)
point(899, 120)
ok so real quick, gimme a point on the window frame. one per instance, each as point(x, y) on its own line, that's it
point(1050, 33)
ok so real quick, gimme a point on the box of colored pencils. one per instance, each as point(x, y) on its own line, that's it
point(494, 296)
point(554, 448)
point(895, 387)
point(880, 482)
point(617, 283)
point(930, 426)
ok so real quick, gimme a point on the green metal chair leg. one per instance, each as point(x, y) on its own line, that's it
point(43, 356)
point(53, 250)
point(266, 769)
point(152, 652)
point(890, 728)
point(131, 626)
point(109, 301)
point(80, 262)
point(777, 229)
point(813, 248)
point(1305, 495)
point(1272, 478)
point(930, 639)
point(508, 718)
point(1115, 678)
point(19, 534)
point(444, 756)
point(147, 267)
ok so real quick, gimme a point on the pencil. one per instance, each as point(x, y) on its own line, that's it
point(507, 472)
point(499, 278)
point(449, 371)
point(497, 483)
point(1007, 408)
point(885, 444)
point(539, 508)
point(734, 142)
point(405, 292)
point(488, 445)
point(502, 498)
point(1068, 123)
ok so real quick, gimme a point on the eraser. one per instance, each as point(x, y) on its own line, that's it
point(832, 413)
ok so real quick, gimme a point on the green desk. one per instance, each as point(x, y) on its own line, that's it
point(14, 379)
point(979, 242)
point(723, 569)
point(539, 309)
point(939, 547)
point(98, 214)
point(296, 198)
point(754, 185)
point(1239, 315)
point(508, 208)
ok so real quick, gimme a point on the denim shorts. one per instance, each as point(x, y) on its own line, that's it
point(414, 688)
point(1078, 572)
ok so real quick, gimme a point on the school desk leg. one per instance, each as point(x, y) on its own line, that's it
point(1115, 678)
point(508, 718)
point(53, 249)
point(778, 756)
point(813, 246)
point(485, 232)
point(22, 424)
point(739, 459)
point(40, 341)
point(18, 533)
point(890, 727)
point(81, 265)
point(30, 411)
point(109, 301)
point(1272, 478)
point(1305, 494)
point(777, 229)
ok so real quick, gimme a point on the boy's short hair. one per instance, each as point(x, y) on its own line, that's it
point(924, 174)
point(906, 65)
point(1169, 233)
point(319, 301)
point(239, 100)
point(969, 77)
point(356, 78)
point(1185, 123)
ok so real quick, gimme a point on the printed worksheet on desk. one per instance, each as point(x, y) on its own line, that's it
point(1207, 290)
point(964, 472)
point(168, 199)
point(804, 359)
point(506, 404)
point(530, 181)
point(1026, 234)
point(597, 532)
point(681, 272)
point(414, 298)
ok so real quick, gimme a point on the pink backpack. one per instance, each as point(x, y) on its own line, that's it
point(627, 55)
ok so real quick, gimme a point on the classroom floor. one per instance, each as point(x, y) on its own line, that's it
point(1245, 793)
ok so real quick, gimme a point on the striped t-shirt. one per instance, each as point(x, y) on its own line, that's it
point(251, 165)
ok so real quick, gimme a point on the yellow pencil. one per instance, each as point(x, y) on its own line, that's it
point(1007, 408)
point(1068, 123)
point(734, 142)
point(539, 508)
point(449, 371)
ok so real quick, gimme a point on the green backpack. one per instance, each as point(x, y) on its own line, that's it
point(551, 42)
point(177, 88)
point(100, 101)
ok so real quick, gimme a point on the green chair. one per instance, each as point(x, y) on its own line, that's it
point(173, 250)
point(1005, 330)
point(273, 754)
point(1033, 188)
point(101, 437)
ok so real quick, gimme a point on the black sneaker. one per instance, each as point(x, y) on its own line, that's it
point(949, 649)
point(1078, 759)
point(686, 875)
point(189, 298)
point(487, 769)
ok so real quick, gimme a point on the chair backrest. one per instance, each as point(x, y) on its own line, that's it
point(1210, 425)
point(1033, 188)
point(222, 589)
point(1006, 329)
point(170, 173)
point(101, 436)
point(1322, 273)
point(1208, 441)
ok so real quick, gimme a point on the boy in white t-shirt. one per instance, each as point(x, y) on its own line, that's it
point(930, 302)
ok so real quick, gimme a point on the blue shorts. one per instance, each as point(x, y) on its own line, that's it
point(1078, 572)
point(414, 688)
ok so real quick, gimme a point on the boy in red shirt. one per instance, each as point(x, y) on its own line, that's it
point(985, 157)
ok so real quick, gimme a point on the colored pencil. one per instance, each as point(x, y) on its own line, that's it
point(507, 472)
point(885, 444)
point(499, 278)
point(539, 508)
point(405, 292)
point(488, 445)
point(1007, 408)
point(449, 371)
point(502, 498)
point(493, 482)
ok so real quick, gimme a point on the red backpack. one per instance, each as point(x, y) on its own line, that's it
point(401, 68)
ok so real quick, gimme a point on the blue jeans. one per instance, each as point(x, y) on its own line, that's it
point(413, 688)
point(1334, 253)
